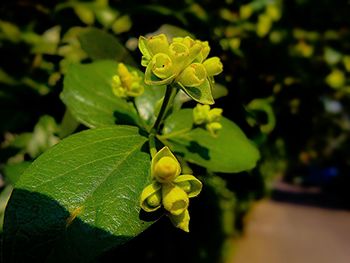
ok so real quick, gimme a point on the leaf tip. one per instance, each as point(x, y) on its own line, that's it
point(73, 215)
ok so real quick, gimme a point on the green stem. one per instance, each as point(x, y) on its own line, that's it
point(168, 98)
point(152, 145)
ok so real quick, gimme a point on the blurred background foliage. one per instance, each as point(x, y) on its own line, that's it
point(286, 75)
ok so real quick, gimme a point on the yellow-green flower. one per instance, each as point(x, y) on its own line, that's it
point(273, 11)
point(183, 61)
point(151, 197)
point(127, 83)
point(346, 61)
point(175, 199)
point(213, 128)
point(170, 189)
point(165, 167)
point(245, 11)
point(264, 25)
point(210, 118)
point(336, 79)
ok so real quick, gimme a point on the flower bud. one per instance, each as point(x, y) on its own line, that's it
point(200, 113)
point(162, 66)
point(151, 197)
point(158, 44)
point(273, 12)
point(214, 115)
point(214, 128)
point(136, 89)
point(336, 79)
point(193, 76)
point(124, 74)
point(154, 200)
point(213, 66)
point(175, 200)
point(126, 84)
point(245, 11)
point(346, 61)
point(166, 169)
point(264, 25)
point(117, 88)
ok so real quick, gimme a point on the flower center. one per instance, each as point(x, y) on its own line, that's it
point(166, 169)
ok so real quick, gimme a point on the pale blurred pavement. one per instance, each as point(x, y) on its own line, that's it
point(279, 232)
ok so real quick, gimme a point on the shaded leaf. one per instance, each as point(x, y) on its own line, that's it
point(229, 152)
point(219, 91)
point(79, 198)
point(4, 198)
point(147, 103)
point(180, 121)
point(100, 45)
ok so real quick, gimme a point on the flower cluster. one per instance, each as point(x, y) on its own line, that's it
point(203, 115)
point(127, 83)
point(183, 61)
point(170, 189)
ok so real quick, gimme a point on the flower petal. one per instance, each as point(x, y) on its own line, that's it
point(175, 200)
point(158, 44)
point(164, 152)
point(190, 184)
point(151, 198)
point(149, 77)
point(200, 114)
point(162, 66)
point(181, 221)
point(143, 46)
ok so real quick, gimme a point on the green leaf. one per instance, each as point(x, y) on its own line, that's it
point(201, 94)
point(105, 15)
point(85, 13)
point(88, 95)
point(178, 122)
point(229, 152)
point(100, 45)
point(173, 31)
point(47, 43)
point(122, 24)
point(10, 31)
point(80, 198)
point(4, 198)
point(147, 103)
point(68, 124)
point(219, 91)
